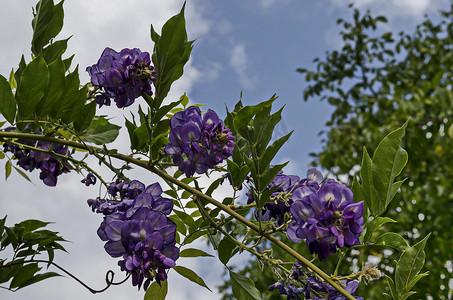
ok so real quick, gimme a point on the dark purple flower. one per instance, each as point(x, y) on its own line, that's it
point(290, 188)
point(288, 289)
point(137, 229)
point(89, 180)
point(122, 76)
point(298, 283)
point(349, 287)
point(30, 160)
point(198, 143)
point(326, 218)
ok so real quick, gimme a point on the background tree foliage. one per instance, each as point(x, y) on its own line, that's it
point(376, 82)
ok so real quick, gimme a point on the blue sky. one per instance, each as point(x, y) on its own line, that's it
point(249, 46)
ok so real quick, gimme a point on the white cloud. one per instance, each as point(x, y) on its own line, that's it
point(238, 61)
point(94, 26)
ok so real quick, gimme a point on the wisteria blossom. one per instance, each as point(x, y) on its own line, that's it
point(30, 160)
point(198, 143)
point(136, 228)
point(122, 76)
point(326, 219)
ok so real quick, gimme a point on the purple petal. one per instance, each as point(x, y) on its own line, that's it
point(314, 174)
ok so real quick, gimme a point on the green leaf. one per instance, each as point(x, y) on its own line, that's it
point(55, 50)
point(12, 82)
point(131, 129)
point(191, 252)
point(367, 181)
point(245, 114)
point(358, 194)
point(191, 275)
point(407, 295)
point(162, 127)
point(2, 225)
point(7, 169)
point(156, 292)
point(26, 273)
point(67, 62)
point(6, 273)
point(226, 250)
point(19, 71)
point(187, 219)
point(193, 236)
point(7, 101)
point(22, 173)
point(374, 225)
point(47, 23)
point(31, 225)
point(55, 89)
point(272, 150)
point(164, 110)
point(11, 236)
point(357, 190)
point(393, 240)
point(267, 177)
point(32, 87)
point(416, 279)
point(39, 277)
point(84, 118)
point(171, 52)
point(214, 185)
point(243, 287)
point(266, 125)
point(73, 102)
point(154, 35)
point(101, 134)
point(184, 100)
point(142, 135)
point(392, 287)
point(235, 173)
point(409, 265)
point(389, 160)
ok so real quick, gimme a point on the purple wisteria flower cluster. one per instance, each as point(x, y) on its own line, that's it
point(198, 143)
point(136, 228)
point(327, 219)
point(299, 283)
point(317, 287)
point(30, 160)
point(122, 76)
point(282, 198)
point(323, 214)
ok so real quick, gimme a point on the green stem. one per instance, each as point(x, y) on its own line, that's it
point(73, 160)
point(335, 273)
point(241, 207)
point(194, 192)
point(226, 234)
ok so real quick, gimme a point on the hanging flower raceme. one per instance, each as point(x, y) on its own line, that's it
point(122, 76)
point(282, 199)
point(136, 228)
point(316, 286)
point(30, 160)
point(198, 143)
point(326, 219)
point(299, 283)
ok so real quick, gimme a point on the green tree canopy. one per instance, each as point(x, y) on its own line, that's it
point(376, 82)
